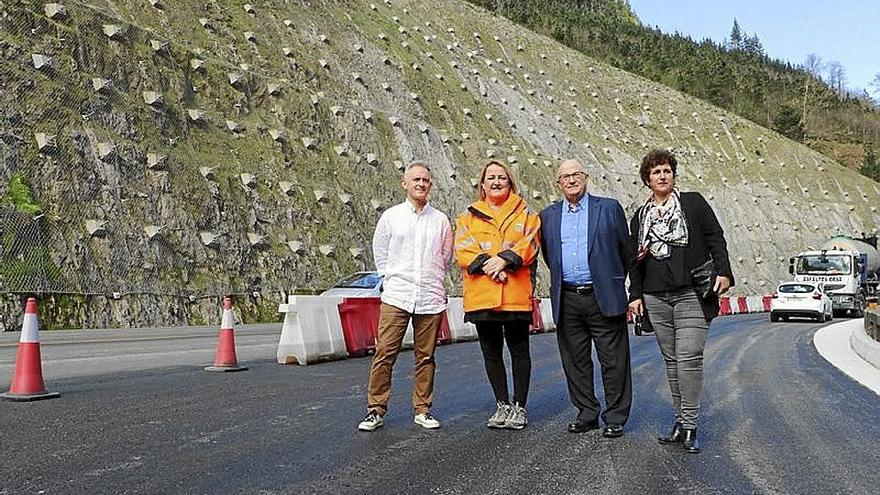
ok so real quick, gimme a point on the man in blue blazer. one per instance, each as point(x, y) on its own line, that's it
point(585, 243)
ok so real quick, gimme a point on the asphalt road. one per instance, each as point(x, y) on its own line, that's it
point(76, 353)
point(778, 419)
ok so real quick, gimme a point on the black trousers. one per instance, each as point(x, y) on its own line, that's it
point(492, 336)
point(581, 324)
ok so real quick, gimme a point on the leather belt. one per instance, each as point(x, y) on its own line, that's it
point(580, 289)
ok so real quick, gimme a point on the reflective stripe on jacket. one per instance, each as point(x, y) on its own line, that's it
point(511, 233)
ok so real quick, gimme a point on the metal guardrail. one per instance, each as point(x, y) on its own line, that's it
point(872, 323)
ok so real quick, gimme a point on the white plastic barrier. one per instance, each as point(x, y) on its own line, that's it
point(461, 331)
point(464, 332)
point(312, 330)
point(547, 315)
point(734, 305)
point(409, 338)
point(755, 304)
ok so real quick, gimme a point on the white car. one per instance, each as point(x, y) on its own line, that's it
point(360, 284)
point(802, 299)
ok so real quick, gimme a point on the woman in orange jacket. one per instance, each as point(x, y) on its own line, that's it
point(496, 246)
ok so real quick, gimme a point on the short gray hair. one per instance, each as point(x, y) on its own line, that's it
point(415, 164)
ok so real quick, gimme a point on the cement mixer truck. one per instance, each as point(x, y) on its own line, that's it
point(848, 269)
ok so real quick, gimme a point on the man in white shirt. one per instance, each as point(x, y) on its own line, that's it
point(412, 247)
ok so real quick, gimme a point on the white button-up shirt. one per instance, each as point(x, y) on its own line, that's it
point(413, 251)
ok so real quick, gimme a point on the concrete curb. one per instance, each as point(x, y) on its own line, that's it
point(866, 347)
point(834, 343)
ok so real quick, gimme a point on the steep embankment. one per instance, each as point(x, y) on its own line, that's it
point(186, 149)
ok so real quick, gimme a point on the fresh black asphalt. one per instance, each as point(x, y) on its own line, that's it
point(777, 419)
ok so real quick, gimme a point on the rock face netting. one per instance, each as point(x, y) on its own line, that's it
point(155, 156)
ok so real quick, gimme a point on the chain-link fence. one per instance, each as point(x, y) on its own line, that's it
point(141, 155)
point(179, 151)
point(25, 259)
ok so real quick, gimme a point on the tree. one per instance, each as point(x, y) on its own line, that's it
point(876, 85)
point(788, 123)
point(736, 36)
point(870, 165)
point(814, 65)
point(751, 44)
point(836, 76)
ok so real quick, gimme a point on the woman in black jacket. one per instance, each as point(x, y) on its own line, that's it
point(681, 268)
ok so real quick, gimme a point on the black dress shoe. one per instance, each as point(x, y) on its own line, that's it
point(674, 435)
point(612, 431)
point(689, 441)
point(581, 426)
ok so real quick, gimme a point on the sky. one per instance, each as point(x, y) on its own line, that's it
point(846, 31)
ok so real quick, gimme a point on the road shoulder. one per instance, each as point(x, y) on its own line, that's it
point(834, 344)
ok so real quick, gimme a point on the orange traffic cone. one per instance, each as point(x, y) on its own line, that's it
point(27, 382)
point(224, 359)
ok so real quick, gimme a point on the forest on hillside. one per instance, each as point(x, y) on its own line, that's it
point(808, 102)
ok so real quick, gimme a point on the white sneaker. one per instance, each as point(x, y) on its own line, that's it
point(425, 420)
point(498, 419)
point(517, 420)
point(372, 421)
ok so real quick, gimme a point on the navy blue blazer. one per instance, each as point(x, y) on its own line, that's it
point(610, 253)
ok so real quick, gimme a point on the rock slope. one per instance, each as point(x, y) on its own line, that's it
point(184, 150)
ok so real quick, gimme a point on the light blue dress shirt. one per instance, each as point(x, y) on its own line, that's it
point(574, 234)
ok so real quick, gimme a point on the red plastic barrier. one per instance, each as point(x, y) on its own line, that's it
point(743, 307)
point(766, 300)
point(537, 324)
point(360, 324)
point(725, 306)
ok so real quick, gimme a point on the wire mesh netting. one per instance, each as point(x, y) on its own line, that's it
point(201, 147)
point(139, 161)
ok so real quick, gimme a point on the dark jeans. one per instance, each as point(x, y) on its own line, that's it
point(681, 330)
point(581, 324)
point(492, 336)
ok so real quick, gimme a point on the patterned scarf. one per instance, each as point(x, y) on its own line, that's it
point(662, 226)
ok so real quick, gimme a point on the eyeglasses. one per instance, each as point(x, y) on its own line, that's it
point(578, 176)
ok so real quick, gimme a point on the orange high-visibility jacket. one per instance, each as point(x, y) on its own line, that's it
point(511, 233)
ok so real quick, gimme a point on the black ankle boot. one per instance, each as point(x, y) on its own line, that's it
point(689, 441)
point(674, 435)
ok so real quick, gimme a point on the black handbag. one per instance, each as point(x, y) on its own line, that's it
point(642, 324)
point(703, 278)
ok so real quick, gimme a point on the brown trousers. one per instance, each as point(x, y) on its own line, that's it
point(392, 328)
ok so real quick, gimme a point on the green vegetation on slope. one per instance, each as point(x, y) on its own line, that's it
point(739, 77)
point(280, 149)
point(20, 196)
